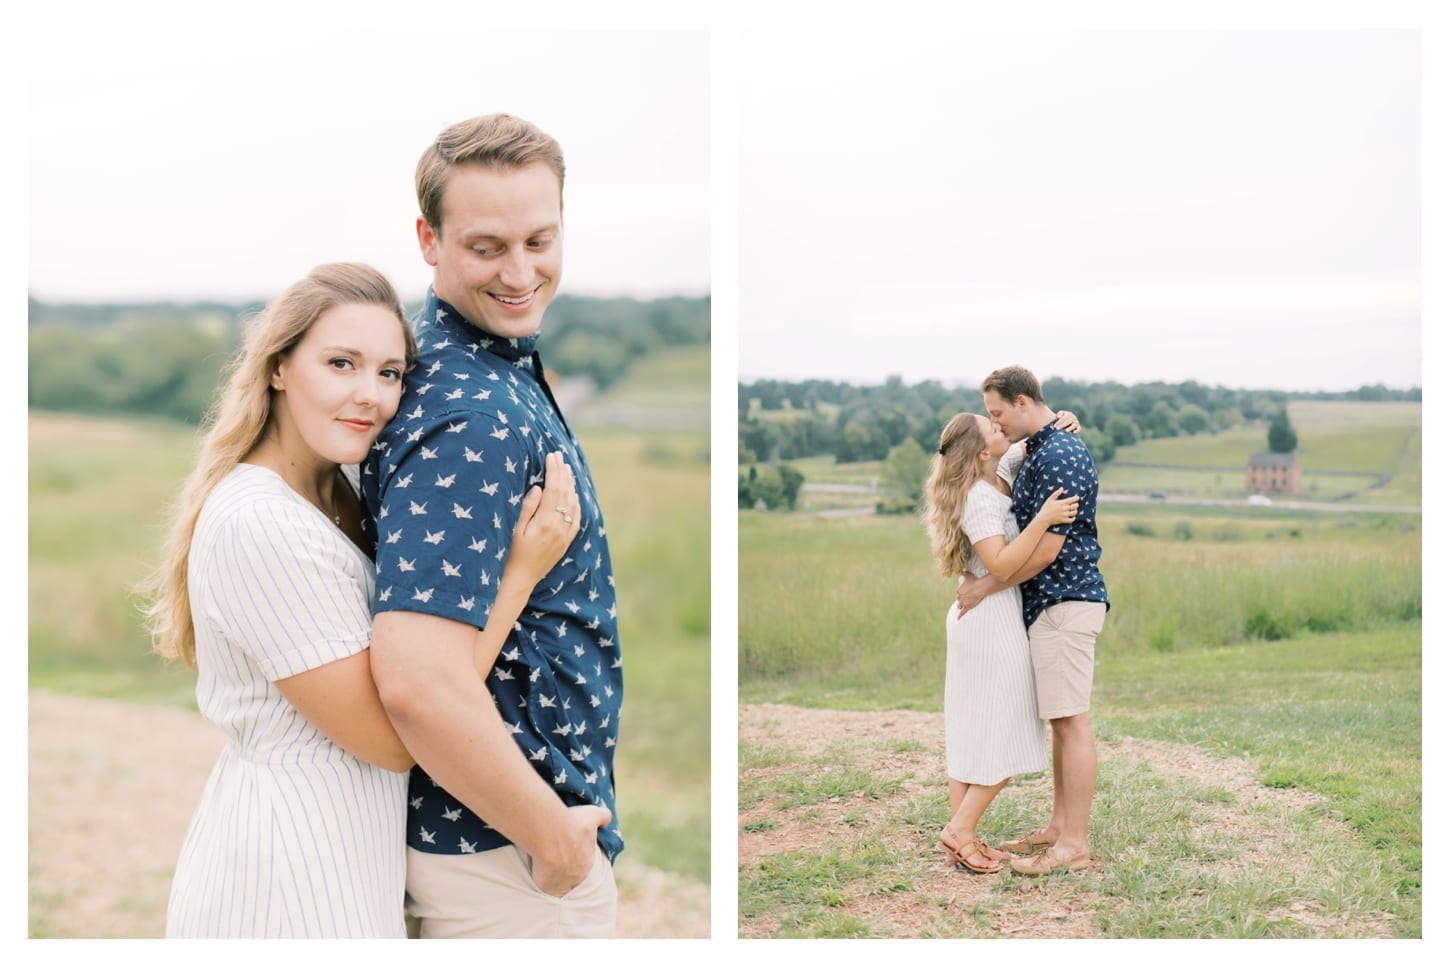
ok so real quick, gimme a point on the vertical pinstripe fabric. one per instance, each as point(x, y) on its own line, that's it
point(293, 837)
point(992, 728)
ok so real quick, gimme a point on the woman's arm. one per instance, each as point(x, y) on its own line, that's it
point(1011, 461)
point(1003, 560)
point(341, 700)
point(548, 522)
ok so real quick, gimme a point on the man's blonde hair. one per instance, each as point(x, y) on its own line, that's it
point(492, 141)
point(1010, 382)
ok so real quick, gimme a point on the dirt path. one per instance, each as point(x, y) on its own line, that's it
point(112, 787)
point(901, 751)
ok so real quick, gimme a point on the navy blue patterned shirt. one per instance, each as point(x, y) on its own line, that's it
point(1056, 458)
point(443, 488)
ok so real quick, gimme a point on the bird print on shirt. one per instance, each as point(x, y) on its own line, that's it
point(493, 445)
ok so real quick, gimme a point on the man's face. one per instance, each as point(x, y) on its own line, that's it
point(499, 252)
point(1010, 417)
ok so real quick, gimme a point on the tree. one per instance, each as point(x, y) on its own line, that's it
point(1193, 419)
point(1123, 431)
point(906, 469)
point(1099, 444)
point(768, 487)
point(1282, 438)
point(1162, 420)
point(855, 444)
point(790, 481)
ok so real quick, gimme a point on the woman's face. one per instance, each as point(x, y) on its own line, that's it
point(997, 442)
point(341, 384)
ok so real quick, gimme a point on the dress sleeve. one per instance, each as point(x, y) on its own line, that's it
point(285, 591)
point(983, 516)
point(1011, 462)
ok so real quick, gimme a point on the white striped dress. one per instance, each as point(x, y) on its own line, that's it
point(293, 837)
point(992, 729)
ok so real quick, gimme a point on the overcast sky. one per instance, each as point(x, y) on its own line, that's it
point(226, 163)
point(1235, 207)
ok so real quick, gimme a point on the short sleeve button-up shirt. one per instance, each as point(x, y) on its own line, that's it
point(1056, 458)
point(443, 488)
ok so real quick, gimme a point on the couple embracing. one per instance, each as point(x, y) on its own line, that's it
point(390, 571)
point(1011, 509)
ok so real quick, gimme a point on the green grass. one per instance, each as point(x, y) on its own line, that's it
point(1334, 714)
point(1177, 854)
point(98, 490)
point(1288, 639)
point(827, 470)
point(826, 605)
point(1344, 447)
point(676, 378)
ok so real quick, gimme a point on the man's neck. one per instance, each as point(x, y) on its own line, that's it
point(1042, 415)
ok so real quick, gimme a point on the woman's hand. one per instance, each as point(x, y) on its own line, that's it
point(548, 522)
point(1067, 420)
point(1059, 510)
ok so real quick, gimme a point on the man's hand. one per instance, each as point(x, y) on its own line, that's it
point(578, 848)
point(970, 594)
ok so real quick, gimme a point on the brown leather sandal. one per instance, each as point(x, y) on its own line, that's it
point(962, 854)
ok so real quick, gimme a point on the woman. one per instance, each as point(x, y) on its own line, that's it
point(266, 589)
point(992, 729)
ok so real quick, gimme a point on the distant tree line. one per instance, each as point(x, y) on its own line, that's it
point(164, 358)
point(780, 420)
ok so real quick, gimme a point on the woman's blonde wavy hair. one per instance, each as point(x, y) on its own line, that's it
point(956, 466)
point(236, 421)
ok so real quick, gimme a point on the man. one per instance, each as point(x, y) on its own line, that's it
point(511, 805)
point(1064, 603)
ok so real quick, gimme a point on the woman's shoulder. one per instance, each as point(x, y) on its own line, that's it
point(253, 499)
point(985, 490)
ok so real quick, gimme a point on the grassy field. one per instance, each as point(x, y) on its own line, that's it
point(671, 378)
point(840, 611)
point(1263, 791)
point(97, 495)
point(1291, 640)
point(1346, 449)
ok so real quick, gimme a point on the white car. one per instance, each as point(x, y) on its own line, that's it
point(1259, 500)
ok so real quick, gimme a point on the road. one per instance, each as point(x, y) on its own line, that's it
point(1279, 503)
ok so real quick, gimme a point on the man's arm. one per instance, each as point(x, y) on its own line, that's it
point(972, 590)
point(430, 687)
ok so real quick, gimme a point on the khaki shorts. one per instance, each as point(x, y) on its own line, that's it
point(1061, 641)
point(492, 894)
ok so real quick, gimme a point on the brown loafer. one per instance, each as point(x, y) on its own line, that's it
point(1034, 842)
point(1040, 864)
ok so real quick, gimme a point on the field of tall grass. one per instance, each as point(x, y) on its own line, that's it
point(829, 608)
point(98, 490)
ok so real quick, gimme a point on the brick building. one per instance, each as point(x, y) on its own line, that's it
point(1273, 473)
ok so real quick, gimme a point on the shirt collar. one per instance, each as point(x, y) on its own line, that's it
point(1040, 437)
point(451, 323)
